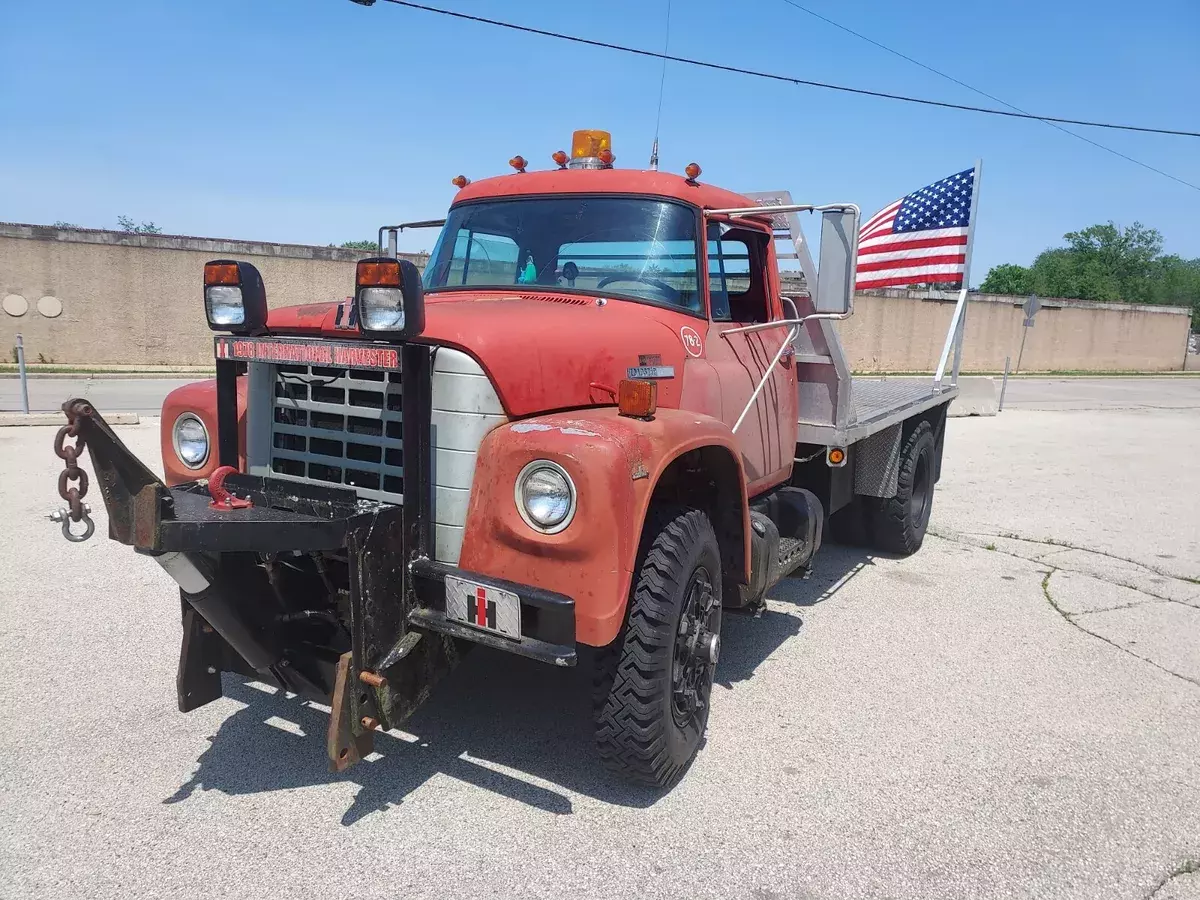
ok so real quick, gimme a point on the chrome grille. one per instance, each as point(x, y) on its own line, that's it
point(338, 427)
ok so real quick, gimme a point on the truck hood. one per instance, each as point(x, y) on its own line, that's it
point(543, 352)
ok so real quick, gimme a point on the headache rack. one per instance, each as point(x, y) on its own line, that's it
point(836, 408)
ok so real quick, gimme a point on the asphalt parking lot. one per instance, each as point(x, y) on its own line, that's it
point(1012, 712)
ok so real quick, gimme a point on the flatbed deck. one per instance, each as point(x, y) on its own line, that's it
point(876, 404)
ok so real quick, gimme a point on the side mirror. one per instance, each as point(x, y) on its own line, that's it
point(839, 256)
point(389, 297)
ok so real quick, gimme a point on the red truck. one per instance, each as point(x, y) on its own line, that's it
point(594, 420)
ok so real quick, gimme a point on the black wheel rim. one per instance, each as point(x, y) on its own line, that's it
point(697, 646)
point(918, 503)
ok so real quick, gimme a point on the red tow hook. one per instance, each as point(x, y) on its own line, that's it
point(221, 498)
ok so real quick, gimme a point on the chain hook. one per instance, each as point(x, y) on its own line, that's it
point(64, 516)
point(77, 510)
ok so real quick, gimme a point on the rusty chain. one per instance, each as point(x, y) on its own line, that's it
point(77, 511)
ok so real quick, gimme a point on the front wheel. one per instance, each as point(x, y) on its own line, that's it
point(654, 682)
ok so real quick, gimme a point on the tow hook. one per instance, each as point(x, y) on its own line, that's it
point(64, 516)
point(222, 498)
point(76, 510)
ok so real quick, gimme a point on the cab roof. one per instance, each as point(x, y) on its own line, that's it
point(604, 181)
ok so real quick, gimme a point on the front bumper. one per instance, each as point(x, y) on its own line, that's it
point(392, 618)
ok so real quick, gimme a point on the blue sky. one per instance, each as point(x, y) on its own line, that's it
point(315, 121)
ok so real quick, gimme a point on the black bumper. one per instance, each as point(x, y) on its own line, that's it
point(288, 516)
point(547, 618)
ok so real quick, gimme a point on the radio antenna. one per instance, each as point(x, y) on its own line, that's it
point(662, 81)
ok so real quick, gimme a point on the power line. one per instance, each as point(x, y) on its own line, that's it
point(784, 78)
point(1051, 122)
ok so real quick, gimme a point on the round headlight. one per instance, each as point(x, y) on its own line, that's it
point(190, 438)
point(545, 496)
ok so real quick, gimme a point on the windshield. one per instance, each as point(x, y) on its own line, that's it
point(617, 246)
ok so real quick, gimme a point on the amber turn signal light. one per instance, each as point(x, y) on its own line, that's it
point(221, 273)
point(460, 181)
point(378, 273)
point(836, 456)
point(637, 398)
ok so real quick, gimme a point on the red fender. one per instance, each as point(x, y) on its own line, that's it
point(615, 463)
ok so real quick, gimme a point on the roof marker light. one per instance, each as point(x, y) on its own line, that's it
point(518, 163)
point(692, 171)
point(460, 181)
point(560, 158)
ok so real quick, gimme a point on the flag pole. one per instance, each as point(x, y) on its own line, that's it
point(954, 338)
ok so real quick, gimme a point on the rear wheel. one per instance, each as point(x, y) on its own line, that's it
point(654, 682)
point(898, 523)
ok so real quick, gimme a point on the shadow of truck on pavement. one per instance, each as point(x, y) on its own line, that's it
point(495, 710)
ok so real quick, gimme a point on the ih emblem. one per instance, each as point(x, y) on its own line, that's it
point(484, 613)
point(347, 315)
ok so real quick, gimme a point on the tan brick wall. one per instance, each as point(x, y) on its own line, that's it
point(906, 334)
point(136, 300)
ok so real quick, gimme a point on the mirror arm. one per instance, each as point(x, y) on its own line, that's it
point(792, 335)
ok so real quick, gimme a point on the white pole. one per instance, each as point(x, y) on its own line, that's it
point(966, 282)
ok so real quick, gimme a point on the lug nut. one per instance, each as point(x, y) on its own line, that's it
point(370, 678)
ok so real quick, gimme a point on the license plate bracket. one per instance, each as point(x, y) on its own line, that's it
point(483, 607)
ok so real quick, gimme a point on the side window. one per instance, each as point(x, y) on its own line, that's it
point(729, 280)
point(480, 258)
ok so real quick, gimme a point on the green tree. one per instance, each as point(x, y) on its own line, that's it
point(1007, 278)
point(1107, 263)
point(358, 245)
point(127, 224)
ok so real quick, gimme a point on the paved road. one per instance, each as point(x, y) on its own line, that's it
point(139, 395)
point(1010, 713)
point(145, 395)
point(1143, 392)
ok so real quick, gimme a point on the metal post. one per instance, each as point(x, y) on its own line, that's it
point(958, 339)
point(23, 376)
point(1004, 384)
point(1024, 332)
point(392, 243)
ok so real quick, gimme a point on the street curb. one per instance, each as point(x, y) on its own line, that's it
point(10, 418)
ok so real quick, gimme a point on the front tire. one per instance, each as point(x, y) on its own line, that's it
point(654, 682)
point(898, 523)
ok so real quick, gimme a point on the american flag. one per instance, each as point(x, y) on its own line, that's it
point(919, 239)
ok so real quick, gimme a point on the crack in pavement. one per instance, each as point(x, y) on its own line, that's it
point(961, 538)
point(1071, 618)
point(1064, 546)
point(1189, 866)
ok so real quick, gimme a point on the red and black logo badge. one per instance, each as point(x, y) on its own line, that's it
point(484, 613)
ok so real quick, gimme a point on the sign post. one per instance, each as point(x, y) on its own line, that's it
point(1031, 306)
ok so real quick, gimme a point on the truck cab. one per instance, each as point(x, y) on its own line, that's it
point(583, 423)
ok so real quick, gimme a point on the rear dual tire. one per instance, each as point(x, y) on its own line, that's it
point(894, 524)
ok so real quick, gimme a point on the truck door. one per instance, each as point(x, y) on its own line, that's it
point(741, 292)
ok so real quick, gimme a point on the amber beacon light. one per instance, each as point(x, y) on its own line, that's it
point(591, 149)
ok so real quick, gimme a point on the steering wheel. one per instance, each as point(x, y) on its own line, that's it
point(669, 292)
